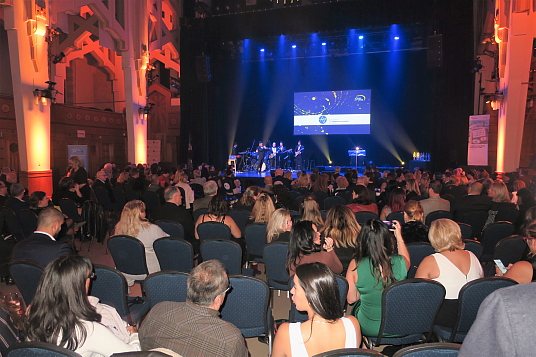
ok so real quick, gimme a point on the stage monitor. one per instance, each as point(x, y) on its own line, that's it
point(332, 112)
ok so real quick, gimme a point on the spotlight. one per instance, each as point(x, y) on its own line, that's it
point(330, 162)
point(48, 93)
point(293, 46)
point(360, 37)
point(58, 58)
point(397, 38)
point(262, 49)
point(323, 43)
point(144, 112)
point(402, 163)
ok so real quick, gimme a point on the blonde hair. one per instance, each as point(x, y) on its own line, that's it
point(77, 161)
point(122, 177)
point(445, 234)
point(311, 212)
point(303, 180)
point(131, 221)
point(277, 222)
point(414, 210)
point(501, 192)
point(411, 185)
point(262, 209)
point(342, 226)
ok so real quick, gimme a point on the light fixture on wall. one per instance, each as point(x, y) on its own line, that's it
point(47, 93)
point(55, 59)
point(144, 112)
point(53, 32)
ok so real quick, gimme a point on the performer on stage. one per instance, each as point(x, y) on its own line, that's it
point(298, 159)
point(273, 156)
point(281, 155)
point(261, 149)
point(234, 150)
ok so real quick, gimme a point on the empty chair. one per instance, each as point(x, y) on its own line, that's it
point(432, 216)
point(349, 352)
point(174, 229)
point(255, 235)
point(332, 201)
point(119, 196)
point(198, 190)
point(508, 215)
point(409, 308)
point(363, 216)
point(396, 216)
point(275, 257)
point(26, 275)
point(467, 231)
point(174, 254)
point(131, 195)
point(246, 306)
point(417, 252)
point(128, 254)
point(29, 222)
point(166, 286)
point(39, 349)
point(70, 209)
point(470, 297)
point(474, 247)
point(491, 235)
point(11, 222)
point(213, 230)
point(440, 349)
point(477, 220)
point(510, 250)
point(110, 286)
point(240, 217)
point(226, 251)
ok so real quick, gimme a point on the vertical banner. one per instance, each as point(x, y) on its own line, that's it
point(80, 151)
point(153, 151)
point(477, 152)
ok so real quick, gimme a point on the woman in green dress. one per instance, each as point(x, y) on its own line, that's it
point(380, 259)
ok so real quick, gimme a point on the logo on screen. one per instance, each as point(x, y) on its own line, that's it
point(323, 119)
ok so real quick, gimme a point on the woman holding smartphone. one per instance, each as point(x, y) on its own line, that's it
point(524, 271)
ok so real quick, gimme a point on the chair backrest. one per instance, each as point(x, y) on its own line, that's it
point(349, 352)
point(474, 247)
point(417, 252)
point(69, 208)
point(471, 296)
point(240, 217)
point(198, 190)
point(213, 230)
point(275, 257)
point(103, 197)
point(467, 231)
point(151, 200)
point(128, 254)
point(432, 216)
point(96, 225)
point(508, 215)
point(332, 201)
point(39, 349)
point(174, 254)
point(174, 229)
point(410, 307)
point(295, 213)
point(320, 197)
point(119, 196)
point(226, 251)
point(131, 195)
point(150, 353)
point(364, 216)
point(440, 349)
point(26, 275)
point(246, 305)
point(510, 250)
point(255, 235)
point(299, 200)
point(11, 222)
point(29, 222)
point(110, 286)
point(477, 220)
point(396, 216)
point(166, 286)
point(493, 233)
point(198, 212)
point(293, 195)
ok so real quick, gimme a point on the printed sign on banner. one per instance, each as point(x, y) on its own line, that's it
point(80, 151)
point(477, 152)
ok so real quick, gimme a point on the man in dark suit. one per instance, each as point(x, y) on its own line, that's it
point(101, 181)
point(173, 211)
point(41, 247)
point(3, 193)
point(473, 201)
point(16, 202)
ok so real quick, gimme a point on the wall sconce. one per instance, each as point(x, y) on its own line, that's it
point(53, 32)
point(495, 100)
point(44, 94)
point(144, 112)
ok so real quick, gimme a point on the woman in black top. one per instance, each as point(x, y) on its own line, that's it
point(79, 175)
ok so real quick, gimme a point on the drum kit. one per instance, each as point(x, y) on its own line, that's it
point(249, 160)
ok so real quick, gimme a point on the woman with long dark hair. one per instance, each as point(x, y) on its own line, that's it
point(306, 247)
point(361, 200)
point(61, 313)
point(316, 292)
point(395, 203)
point(217, 212)
point(378, 262)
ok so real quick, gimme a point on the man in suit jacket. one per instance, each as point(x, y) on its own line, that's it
point(16, 202)
point(474, 201)
point(173, 211)
point(3, 193)
point(41, 247)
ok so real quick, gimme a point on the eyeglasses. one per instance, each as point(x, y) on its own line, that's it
point(92, 276)
point(227, 290)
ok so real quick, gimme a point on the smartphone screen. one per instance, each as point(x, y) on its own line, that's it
point(500, 264)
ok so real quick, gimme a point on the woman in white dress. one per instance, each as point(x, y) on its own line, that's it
point(315, 291)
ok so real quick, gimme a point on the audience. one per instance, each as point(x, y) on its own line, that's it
point(61, 313)
point(248, 199)
point(434, 202)
point(3, 193)
point(182, 182)
point(315, 291)
point(38, 201)
point(194, 328)
point(67, 189)
point(361, 200)
point(413, 228)
point(279, 226)
point(79, 175)
point(217, 212)
point(210, 189)
point(262, 210)
point(524, 271)
point(172, 210)
point(452, 266)
point(16, 202)
point(378, 262)
point(311, 212)
point(473, 201)
point(395, 203)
